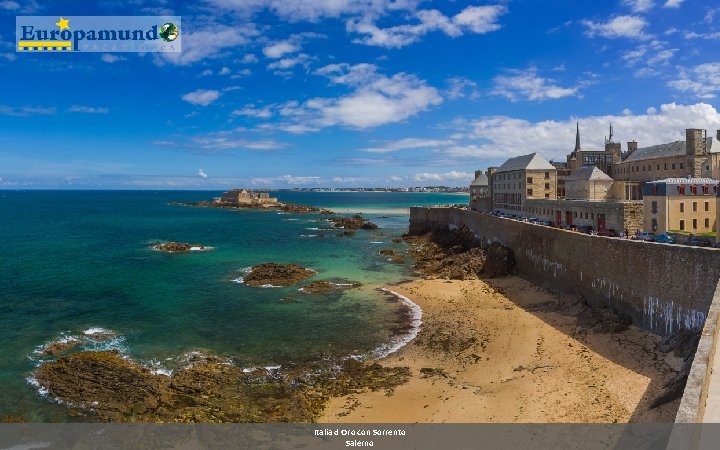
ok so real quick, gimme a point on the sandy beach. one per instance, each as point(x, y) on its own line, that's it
point(497, 351)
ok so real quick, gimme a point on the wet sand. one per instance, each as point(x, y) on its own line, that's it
point(491, 352)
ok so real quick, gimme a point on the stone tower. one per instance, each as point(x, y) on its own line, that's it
point(695, 150)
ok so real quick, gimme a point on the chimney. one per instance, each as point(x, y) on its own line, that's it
point(478, 173)
point(631, 147)
point(717, 136)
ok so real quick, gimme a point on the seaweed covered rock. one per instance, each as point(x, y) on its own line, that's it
point(459, 255)
point(179, 247)
point(355, 222)
point(107, 387)
point(272, 274)
point(325, 286)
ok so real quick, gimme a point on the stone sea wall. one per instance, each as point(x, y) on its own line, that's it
point(663, 287)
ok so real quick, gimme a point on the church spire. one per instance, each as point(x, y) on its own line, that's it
point(577, 137)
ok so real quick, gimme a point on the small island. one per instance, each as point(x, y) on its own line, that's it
point(180, 247)
point(277, 275)
point(245, 199)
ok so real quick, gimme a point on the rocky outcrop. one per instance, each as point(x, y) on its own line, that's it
point(287, 207)
point(355, 222)
point(179, 247)
point(293, 208)
point(109, 388)
point(459, 255)
point(272, 274)
point(387, 252)
point(324, 286)
point(60, 347)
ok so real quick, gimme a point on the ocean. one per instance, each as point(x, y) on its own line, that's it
point(75, 264)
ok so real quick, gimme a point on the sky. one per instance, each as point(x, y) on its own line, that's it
point(351, 93)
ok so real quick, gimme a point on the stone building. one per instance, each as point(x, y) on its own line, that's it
point(604, 159)
point(589, 183)
point(480, 193)
point(522, 178)
point(242, 197)
point(680, 204)
point(620, 216)
point(563, 171)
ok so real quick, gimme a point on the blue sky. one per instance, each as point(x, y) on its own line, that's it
point(301, 93)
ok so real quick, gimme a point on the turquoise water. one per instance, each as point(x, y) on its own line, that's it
point(77, 260)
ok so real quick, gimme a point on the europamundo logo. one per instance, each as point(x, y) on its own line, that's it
point(98, 33)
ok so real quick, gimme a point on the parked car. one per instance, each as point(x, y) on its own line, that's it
point(645, 236)
point(547, 223)
point(665, 239)
point(587, 229)
point(608, 233)
point(533, 220)
point(698, 242)
point(569, 227)
point(717, 245)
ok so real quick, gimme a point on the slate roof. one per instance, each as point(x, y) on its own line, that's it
point(698, 181)
point(677, 148)
point(533, 161)
point(481, 180)
point(588, 173)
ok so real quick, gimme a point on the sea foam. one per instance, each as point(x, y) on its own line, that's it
point(399, 342)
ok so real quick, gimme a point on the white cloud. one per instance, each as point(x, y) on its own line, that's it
point(251, 111)
point(527, 85)
point(110, 58)
point(286, 180)
point(9, 5)
point(289, 63)
point(409, 143)
point(448, 176)
point(202, 97)
point(375, 100)
point(617, 27)
point(202, 173)
point(639, 5)
point(208, 43)
point(702, 80)
point(473, 19)
point(278, 49)
point(249, 58)
point(224, 71)
point(459, 87)
point(219, 142)
point(500, 138)
point(88, 109)
point(206, 73)
point(23, 111)
point(673, 3)
point(314, 10)
point(8, 56)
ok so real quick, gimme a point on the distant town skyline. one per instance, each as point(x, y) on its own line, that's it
point(337, 93)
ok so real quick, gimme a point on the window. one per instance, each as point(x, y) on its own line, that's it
point(547, 185)
point(673, 166)
point(665, 166)
point(653, 207)
point(529, 192)
point(529, 180)
point(682, 225)
point(547, 175)
point(707, 206)
point(694, 224)
point(575, 214)
point(654, 224)
point(682, 165)
point(658, 167)
point(707, 167)
point(694, 206)
point(693, 189)
point(682, 207)
point(706, 190)
point(707, 223)
point(547, 195)
point(681, 189)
